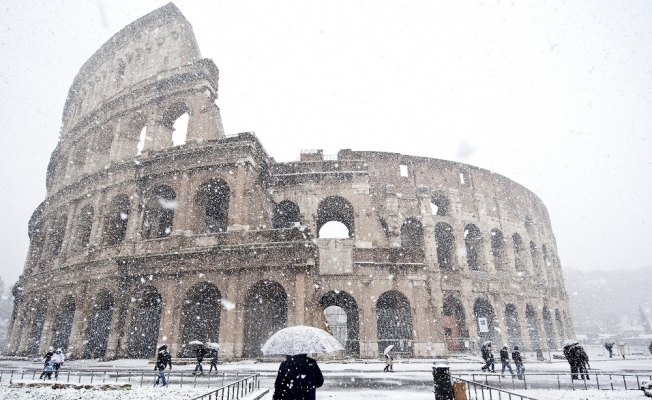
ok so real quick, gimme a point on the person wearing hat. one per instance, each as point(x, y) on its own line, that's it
point(46, 360)
point(163, 359)
point(58, 358)
point(518, 361)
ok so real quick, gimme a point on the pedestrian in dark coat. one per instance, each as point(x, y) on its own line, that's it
point(488, 358)
point(298, 378)
point(504, 359)
point(610, 348)
point(573, 357)
point(583, 362)
point(389, 362)
point(200, 353)
point(213, 354)
point(163, 359)
point(46, 360)
point(518, 360)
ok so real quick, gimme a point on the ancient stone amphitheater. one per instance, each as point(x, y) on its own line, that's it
point(149, 238)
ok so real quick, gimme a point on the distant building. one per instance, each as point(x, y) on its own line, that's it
point(140, 241)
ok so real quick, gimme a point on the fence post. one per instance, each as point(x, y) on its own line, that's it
point(442, 380)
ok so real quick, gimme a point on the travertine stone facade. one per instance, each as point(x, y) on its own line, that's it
point(214, 240)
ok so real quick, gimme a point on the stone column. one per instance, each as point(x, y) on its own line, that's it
point(184, 222)
point(237, 219)
point(80, 322)
point(116, 345)
point(500, 322)
point(159, 136)
point(368, 330)
point(169, 316)
point(229, 325)
point(298, 314)
point(49, 327)
point(522, 324)
point(205, 122)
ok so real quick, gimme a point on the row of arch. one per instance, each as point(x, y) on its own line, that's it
point(266, 311)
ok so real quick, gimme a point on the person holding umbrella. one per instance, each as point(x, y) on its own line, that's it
point(389, 359)
point(299, 376)
point(488, 357)
point(213, 349)
point(200, 352)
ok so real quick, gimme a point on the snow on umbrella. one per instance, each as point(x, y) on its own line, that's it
point(213, 346)
point(570, 342)
point(300, 340)
point(388, 349)
point(487, 343)
point(196, 342)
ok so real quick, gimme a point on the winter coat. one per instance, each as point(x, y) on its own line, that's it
point(504, 354)
point(47, 357)
point(163, 359)
point(516, 356)
point(49, 366)
point(298, 378)
point(389, 360)
point(213, 354)
point(486, 353)
point(201, 352)
point(581, 355)
point(58, 358)
point(621, 348)
point(609, 346)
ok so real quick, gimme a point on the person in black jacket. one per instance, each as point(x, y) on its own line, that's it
point(488, 357)
point(518, 360)
point(200, 353)
point(163, 359)
point(46, 359)
point(298, 378)
point(504, 359)
point(213, 354)
point(610, 348)
point(571, 354)
point(582, 362)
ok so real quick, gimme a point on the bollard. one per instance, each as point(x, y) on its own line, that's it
point(442, 380)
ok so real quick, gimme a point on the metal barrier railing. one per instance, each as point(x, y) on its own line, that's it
point(234, 390)
point(479, 391)
point(562, 381)
point(134, 378)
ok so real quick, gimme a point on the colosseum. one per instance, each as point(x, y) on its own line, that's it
point(148, 237)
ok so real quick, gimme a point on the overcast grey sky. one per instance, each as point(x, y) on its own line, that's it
point(556, 96)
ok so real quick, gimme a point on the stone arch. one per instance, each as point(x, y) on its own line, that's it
point(498, 248)
point(84, 226)
point(286, 215)
point(519, 259)
point(56, 235)
point(336, 208)
point(532, 327)
point(172, 117)
point(200, 316)
point(547, 327)
point(265, 313)
point(483, 309)
point(511, 322)
point(99, 324)
point(63, 323)
point(394, 322)
point(444, 241)
point(158, 215)
point(473, 243)
point(439, 204)
point(345, 301)
point(116, 218)
point(454, 322)
point(145, 320)
point(560, 326)
point(213, 198)
point(411, 233)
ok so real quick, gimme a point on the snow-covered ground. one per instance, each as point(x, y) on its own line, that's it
point(8, 393)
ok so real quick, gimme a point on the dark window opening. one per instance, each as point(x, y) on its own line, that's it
point(346, 302)
point(394, 321)
point(519, 263)
point(201, 317)
point(336, 209)
point(84, 227)
point(99, 325)
point(265, 313)
point(145, 321)
point(439, 204)
point(532, 327)
point(473, 243)
point(63, 324)
point(159, 212)
point(484, 315)
point(214, 197)
point(286, 215)
point(513, 330)
point(412, 233)
point(445, 242)
point(498, 248)
point(115, 220)
point(454, 322)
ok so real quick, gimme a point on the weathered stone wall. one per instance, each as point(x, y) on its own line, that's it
point(92, 238)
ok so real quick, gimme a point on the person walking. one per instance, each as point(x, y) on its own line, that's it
point(163, 359)
point(200, 353)
point(572, 356)
point(610, 348)
point(488, 357)
point(583, 362)
point(46, 360)
point(504, 359)
point(298, 378)
point(518, 361)
point(389, 362)
point(621, 349)
point(58, 358)
point(47, 370)
point(213, 354)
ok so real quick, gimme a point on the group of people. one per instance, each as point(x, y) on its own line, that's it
point(488, 357)
point(621, 349)
point(164, 360)
point(578, 360)
point(52, 362)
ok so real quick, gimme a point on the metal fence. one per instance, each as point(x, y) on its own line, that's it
point(478, 391)
point(561, 381)
point(234, 390)
point(177, 379)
